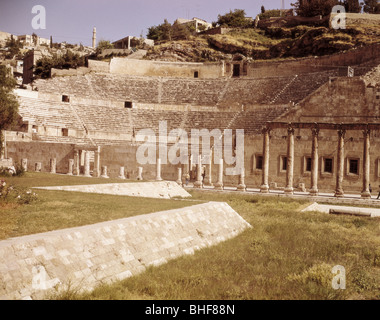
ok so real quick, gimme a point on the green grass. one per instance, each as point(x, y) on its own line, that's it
point(64, 209)
point(286, 255)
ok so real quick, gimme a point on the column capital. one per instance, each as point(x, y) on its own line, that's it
point(315, 130)
point(341, 132)
point(290, 129)
point(366, 131)
point(265, 130)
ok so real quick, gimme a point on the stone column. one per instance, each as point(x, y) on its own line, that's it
point(71, 167)
point(219, 184)
point(265, 171)
point(158, 170)
point(76, 171)
point(340, 164)
point(97, 163)
point(87, 164)
point(366, 164)
point(53, 165)
point(24, 164)
point(208, 178)
point(179, 176)
point(241, 186)
point(199, 182)
point(290, 162)
point(314, 162)
point(139, 173)
point(122, 173)
point(104, 172)
point(38, 167)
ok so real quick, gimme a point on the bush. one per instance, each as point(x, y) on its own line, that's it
point(12, 171)
point(11, 194)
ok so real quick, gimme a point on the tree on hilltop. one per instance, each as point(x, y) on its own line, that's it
point(371, 6)
point(352, 6)
point(69, 60)
point(312, 8)
point(234, 19)
point(13, 46)
point(161, 32)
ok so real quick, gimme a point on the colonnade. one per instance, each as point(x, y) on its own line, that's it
point(315, 130)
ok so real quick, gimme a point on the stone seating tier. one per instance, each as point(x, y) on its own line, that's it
point(179, 91)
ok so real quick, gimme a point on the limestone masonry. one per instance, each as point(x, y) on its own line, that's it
point(161, 190)
point(84, 257)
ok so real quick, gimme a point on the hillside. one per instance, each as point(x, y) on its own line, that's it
point(268, 43)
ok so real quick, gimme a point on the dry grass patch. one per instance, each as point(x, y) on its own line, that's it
point(286, 255)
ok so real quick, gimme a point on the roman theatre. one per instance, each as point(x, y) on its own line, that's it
point(309, 124)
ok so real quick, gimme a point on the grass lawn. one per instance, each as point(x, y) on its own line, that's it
point(286, 255)
point(64, 209)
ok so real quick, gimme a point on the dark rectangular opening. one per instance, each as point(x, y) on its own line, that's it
point(236, 70)
point(128, 104)
point(328, 165)
point(259, 162)
point(196, 74)
point(65, 132)
point(308, 164)
point(354, 166)
point(284, 163)
point(65, 98)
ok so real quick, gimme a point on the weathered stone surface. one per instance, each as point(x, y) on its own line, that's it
point(156, 189)
point(87, 256)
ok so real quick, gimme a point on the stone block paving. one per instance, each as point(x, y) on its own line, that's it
point(83, 257)
point(155, 189)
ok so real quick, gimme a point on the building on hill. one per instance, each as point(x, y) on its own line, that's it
point(132, 42)
point(30, 40)
point(196, 23)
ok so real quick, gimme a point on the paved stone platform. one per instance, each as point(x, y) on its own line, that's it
point(83, 257)
point(154, 189)
point(371, 212)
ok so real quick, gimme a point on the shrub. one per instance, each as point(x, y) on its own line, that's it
point(11, 194)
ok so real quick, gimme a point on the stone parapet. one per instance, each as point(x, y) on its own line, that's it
point(87, 256)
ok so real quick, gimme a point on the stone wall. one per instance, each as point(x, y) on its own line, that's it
point(355, 57)
point(69, 72)
point(359, 19)
point(41, 152)
point(165, 69)
point(87, 256)
point(99, 66)
point(339, 100)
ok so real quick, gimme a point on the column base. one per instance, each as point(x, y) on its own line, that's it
point(264, 188)
point(288, 190)
point(121, 177)
point(313, 192)
point(365, 195)
point(208, 183)
point(219, 186)
point(241, 187)
point(198, 185)
point(339, 194)
point(158, 179)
